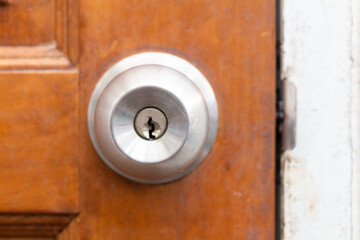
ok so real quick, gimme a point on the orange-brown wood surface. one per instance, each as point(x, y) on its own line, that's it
point(231, 195)
point(25, 22)
point(41, 34)
point(39, 134)
point(34, 225)
point(44, 140)
point(39, 117)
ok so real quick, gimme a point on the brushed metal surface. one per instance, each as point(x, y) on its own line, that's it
point(153, 80)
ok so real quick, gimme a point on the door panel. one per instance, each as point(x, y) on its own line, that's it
point(39, 117)
point(45, 95)
point(40, 34)
point(39, 152)
point(28, 22)
point(231, 195)
point(39, 161)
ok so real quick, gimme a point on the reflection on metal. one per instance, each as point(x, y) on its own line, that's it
point(153, 117)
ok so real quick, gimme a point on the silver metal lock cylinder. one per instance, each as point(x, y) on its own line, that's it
point(150, 123)
point(153, 117)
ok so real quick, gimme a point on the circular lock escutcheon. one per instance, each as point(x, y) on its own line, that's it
point(153, 117)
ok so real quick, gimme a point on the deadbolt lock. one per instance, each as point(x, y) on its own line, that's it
point(153, 117)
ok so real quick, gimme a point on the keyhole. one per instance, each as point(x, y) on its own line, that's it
point(151, 128)
point(150, 123)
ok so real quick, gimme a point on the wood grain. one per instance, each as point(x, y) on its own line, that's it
point(39, 139)
point(33, 225)
point(35, 57)
point(27, 238)
point(39, 20)
point(67, 29)
point(27, 23)
point(39, 117)
point(71, 232)
point(231, 195)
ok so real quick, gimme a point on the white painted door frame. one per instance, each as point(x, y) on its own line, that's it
point(321, 180)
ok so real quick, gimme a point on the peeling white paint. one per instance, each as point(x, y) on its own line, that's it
point(321, 181)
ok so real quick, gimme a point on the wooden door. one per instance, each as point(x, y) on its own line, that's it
point(53, 185)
